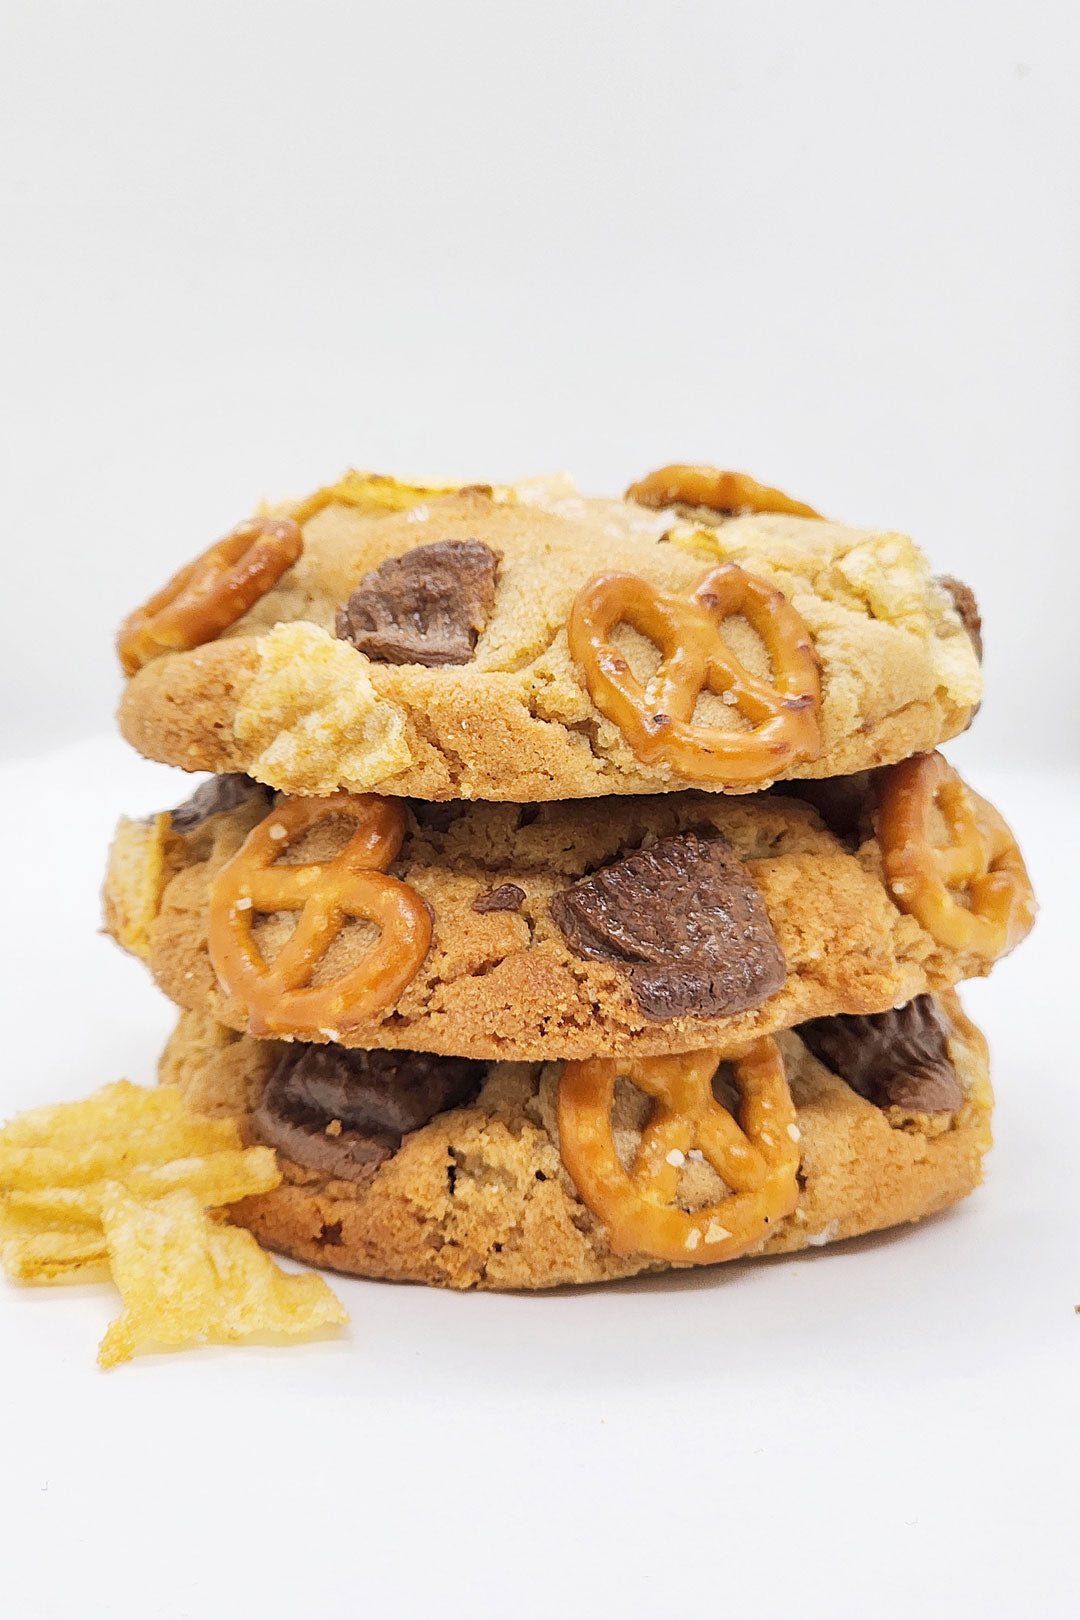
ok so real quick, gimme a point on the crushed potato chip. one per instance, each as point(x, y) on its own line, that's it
point(371, 492)
point(374, 492)
point(185, 1280)
point(124, 1179)
point(218, 1178)
point(135, 881)
point(44, 1245)
point(115, 1110)
point(36, 1246)
point(120, 1130)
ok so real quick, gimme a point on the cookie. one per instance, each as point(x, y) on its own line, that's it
point(463, 649)
point(572, 930)
point(478, 1195)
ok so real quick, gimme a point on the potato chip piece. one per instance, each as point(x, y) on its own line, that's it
point(56, 1162)
point(36, 1246)
point(543, 490)
point(41, 1210)
point(117, 1109)
point(135, 881)
point(53, 1256)
point(118, 1131)
point(125, 1177)
point(184, 1280)
point(119, 1159)
point(216, 1179)
point(370, 492)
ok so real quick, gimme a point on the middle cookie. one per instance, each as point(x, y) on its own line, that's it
point(635, 926)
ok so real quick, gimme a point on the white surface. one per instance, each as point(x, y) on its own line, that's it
point(836, 244)
point(886, 1428)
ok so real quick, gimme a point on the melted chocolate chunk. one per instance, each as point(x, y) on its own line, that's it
point(425, 607)
point(345, 1112)
point(685, 921)
point(507, 897)
point(213, 798)
point(968, 608)
point(895, 1059)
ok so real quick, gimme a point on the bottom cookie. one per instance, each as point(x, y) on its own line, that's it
point(416, 1168)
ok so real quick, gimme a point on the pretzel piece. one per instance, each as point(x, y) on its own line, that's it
point(279, 995)
point(657, 719)
point(731, 492)
point(211, 593)
point(758, 1158)
point(950, 860)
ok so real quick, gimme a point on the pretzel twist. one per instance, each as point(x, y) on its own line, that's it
point(278, 995)
point(950, 860)
point(657, 719)
point(730, 492)
point(758, 1157)
point(211, 593)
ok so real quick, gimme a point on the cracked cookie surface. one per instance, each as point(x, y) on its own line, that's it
point(278, 697)
point(479, 1196)
point(508, 983)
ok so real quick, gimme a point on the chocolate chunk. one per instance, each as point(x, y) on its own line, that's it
point(369, 1101)
point(507, 897)
point(968, 608)
point(425, 607)
point(896, 1059)
point(685, 921)
point(213, 798)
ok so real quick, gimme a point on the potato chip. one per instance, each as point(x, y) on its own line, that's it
point(135, 881)
point(222, 1177)
point(124, 1178)
point(56, 1162)
point(119, 1131)
point(38, 1245)
point(185, 1280)
point(370, 492)
point(40, 1211)
point(116, 1110)
point(53, 1256)
point(216, 1179)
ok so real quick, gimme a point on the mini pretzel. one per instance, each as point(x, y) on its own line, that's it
point(731, 492)
point(638, 1206)
point(279, 996)
point(958, 871)
point(211, 593)
point(657, 719)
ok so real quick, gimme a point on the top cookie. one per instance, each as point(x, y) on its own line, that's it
point(532, 644)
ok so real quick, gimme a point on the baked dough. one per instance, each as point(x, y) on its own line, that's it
point(507, 983)
point(479, 1198)
point(279, 697)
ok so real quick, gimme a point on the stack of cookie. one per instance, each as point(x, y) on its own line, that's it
point(578, 891)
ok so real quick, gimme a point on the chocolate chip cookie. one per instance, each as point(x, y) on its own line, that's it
point(635, 927)
point(454, 1174)
point(424, 644)
point(579, 892)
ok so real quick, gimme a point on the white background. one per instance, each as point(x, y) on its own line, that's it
point(836, 245)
